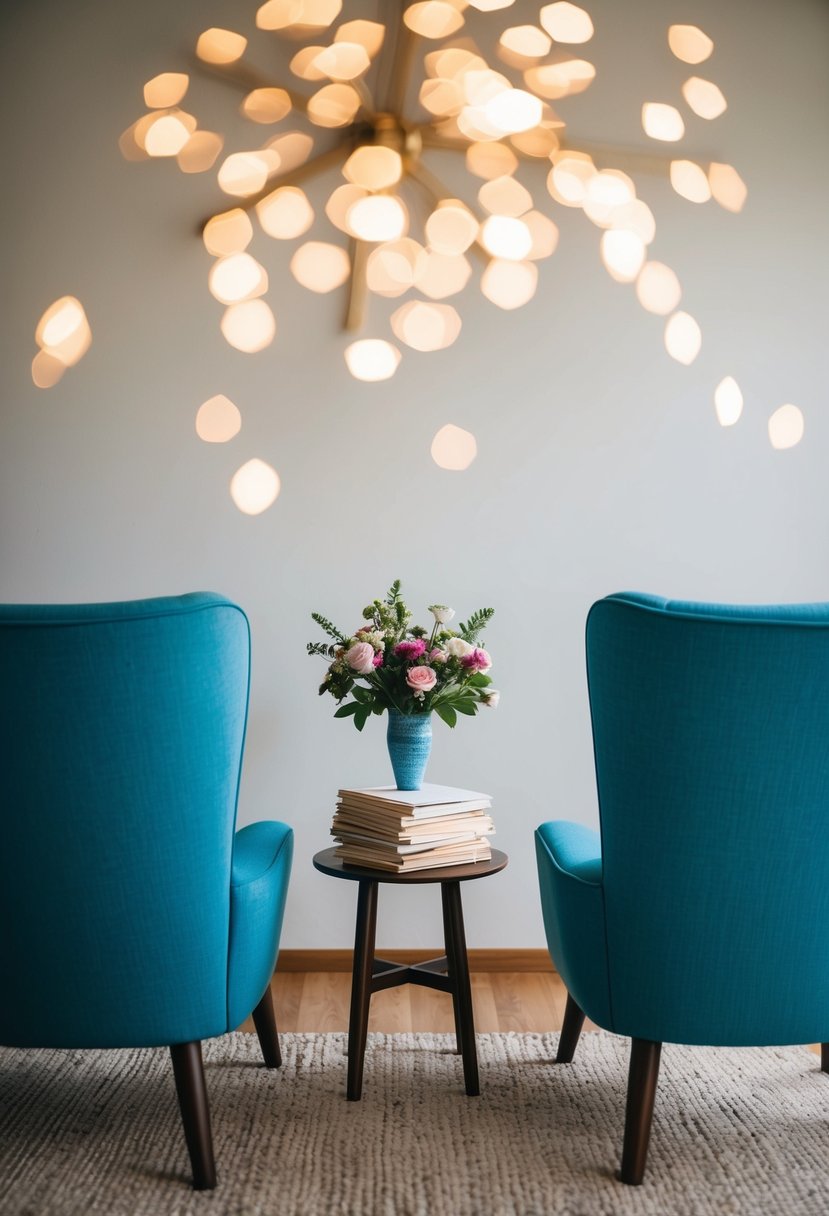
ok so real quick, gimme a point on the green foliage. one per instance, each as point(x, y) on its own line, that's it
point(321, 648)
point(476, 624)
point(332, 630)
point(447, 714)
point(393, 595)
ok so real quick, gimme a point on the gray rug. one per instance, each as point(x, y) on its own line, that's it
point(735, 1132)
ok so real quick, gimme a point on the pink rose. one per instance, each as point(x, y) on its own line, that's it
point(476, 660)
point(410, 650)
point(360, 657)
point(436, 655)
point(421, 679)
point(377, 661)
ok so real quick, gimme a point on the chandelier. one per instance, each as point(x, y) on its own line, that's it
point(390, 93)
point(380, 104)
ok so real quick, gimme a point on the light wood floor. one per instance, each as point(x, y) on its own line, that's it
point(317, 1001)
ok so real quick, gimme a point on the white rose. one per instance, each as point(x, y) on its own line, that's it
point(441, 613)
point(457, 648)
point(491, 698)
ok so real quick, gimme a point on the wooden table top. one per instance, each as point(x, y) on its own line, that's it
point(328, 863)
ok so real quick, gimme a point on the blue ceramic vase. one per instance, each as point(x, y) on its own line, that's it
point(409, 738)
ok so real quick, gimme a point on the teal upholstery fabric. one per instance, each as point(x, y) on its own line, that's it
point(711, 739)
point(122, 728)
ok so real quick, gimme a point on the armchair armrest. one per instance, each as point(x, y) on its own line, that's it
point(572, 901)
point(574, 849)
point(262, 854)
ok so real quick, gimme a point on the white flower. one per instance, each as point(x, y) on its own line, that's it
point(457, 648)
point(441, 613)
point(491, 698)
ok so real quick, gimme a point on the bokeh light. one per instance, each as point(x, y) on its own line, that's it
point(372, 359)
point(218, 420)
point(786, 427)
point(254, 487)
point(728, 401)
point(249, 326)
point(454, 448)
point(683, 338)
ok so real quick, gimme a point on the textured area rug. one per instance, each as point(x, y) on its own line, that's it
point(735, 1132)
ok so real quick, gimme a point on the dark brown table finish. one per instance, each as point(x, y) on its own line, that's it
point(450, 973)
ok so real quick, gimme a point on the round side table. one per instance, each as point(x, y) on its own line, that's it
point(450, 973)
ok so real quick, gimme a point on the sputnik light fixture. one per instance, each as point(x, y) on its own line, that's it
point(374, 100)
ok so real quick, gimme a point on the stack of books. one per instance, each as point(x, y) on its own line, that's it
point(401, 830)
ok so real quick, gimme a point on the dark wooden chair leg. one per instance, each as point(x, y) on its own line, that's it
point(459, 975)
point(824, 1057)
point(188, 1071)
point(361, 977)
point(642, 1079)
point(570, 1031)
point(264, 1020)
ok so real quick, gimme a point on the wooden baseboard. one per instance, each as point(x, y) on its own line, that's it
point(479, 960)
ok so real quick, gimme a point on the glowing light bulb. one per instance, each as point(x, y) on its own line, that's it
point(320, 267)
point(285, 213)
point(166, 136)
point(426, 327)
point(786, 427)
point(218, 420)
point(237, 277)
point(278, 14)
point(245, 173)
point(704, 97)
point(544, 235)
point(433, 19)
point(378, 217)
point(689, 43)
point(690, 181)
point(369, 34)
point(569, 179)
point(509, 285)
point(505, 237)
point(728, 401)
point(249, 326)
point(526, 41)
point(661, 121)
point(566, 22)
point(266, 105)
point(490, 160)
point(393, 267)
point(200, 152)
point(334, 105)
point(343, 61)
point(230, 232)
point(254, 487)
point(658, 289)
point(637, 217)
point(373, 167)
point(454, 448)
point(623, 253)
point(727, 187)
point(452, 228)
point(513, 110)
point(47, 369)
point(220, 46)
point(165, 90)
point(372, 359)
point(64, 334)
point(683, 338)
point(557, 80)
point(439, 275)
point(505, 196)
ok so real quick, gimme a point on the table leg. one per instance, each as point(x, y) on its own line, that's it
point(361, 986)
point(459, 975)
point(447, 942)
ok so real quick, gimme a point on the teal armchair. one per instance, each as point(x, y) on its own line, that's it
point(699, 913)
point(132, 914)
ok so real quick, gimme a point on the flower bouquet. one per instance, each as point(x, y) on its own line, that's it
point(389, 664)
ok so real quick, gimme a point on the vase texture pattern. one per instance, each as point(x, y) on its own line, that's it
point(409, 739)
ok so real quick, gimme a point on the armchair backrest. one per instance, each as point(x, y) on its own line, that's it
point(711, 734)
point(121, 735)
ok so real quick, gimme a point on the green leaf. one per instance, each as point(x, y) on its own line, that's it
point(326, 626)
point(345, 710)
point(470, 708)
point(478, 621)
point(360, 716)
point(479, 680)
point(446, 714)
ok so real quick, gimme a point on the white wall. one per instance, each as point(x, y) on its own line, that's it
point(601, 465)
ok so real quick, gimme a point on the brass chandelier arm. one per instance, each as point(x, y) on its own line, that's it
point(357, 299)
point(320, 163)
point(400, 61)
point(245, 79)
